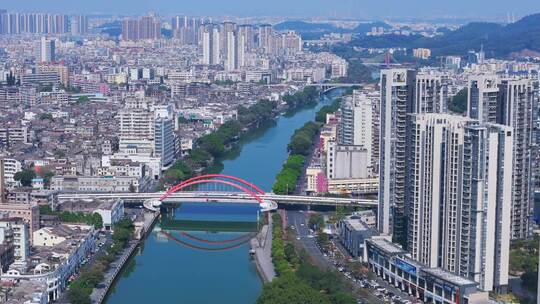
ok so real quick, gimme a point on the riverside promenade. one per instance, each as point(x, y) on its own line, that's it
point(99, 294)
point(262, 246)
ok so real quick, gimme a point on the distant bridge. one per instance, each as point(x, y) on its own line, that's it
point(327, 87)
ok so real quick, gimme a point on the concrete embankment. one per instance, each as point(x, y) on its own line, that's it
point(262, 247)
point(98, 294)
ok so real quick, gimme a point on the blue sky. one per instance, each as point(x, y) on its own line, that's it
point(304, 8)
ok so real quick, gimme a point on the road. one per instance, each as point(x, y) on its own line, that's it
point(299, 220)
point(106, 239)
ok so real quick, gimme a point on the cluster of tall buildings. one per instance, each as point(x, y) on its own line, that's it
point(225, 43)
point(454, 190)
point(228, 43)
point(147, 27)
point(42, 23)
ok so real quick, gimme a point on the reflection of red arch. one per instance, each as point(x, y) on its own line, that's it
point(242, 237)
point(201, 180)
point(223, 176)
point(171, 237)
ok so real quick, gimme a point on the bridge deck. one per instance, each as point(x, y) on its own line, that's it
point(223, 197)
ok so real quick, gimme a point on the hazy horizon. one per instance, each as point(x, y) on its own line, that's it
point(422, 9)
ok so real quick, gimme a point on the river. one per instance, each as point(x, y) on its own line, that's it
point(193, 263)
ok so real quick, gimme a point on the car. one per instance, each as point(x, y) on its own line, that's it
point(298, 238)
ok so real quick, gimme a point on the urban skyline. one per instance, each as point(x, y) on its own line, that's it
point(326, 161)
point(369, 9)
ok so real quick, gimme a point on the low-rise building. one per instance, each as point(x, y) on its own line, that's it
point(20, 235)
point(24, 292)
point(347, 162)
point(97, 183)
point(111, 211)
point(353, 232)
point(353, 186)
point(430, 285)
point(29, 213)
point(56, 262)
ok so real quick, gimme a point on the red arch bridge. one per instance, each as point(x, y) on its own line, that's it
point(219, 188)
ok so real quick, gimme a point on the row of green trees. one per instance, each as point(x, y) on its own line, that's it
point(458, 104)
point(93, 219)
point(321, 114)
point(302, 98)
point(279, 257)
point(298, 280)
point(524, 262)
point(81, 289)
point(302, 139)
point(287, 178)
point(299, 148)
point(216, 144)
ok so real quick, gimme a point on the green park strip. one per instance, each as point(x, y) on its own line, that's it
point(300, 146)
point(80, 289)
point(298, 280)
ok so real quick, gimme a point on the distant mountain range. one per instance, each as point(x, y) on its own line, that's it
point(519, 38)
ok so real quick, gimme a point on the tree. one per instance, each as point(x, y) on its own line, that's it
point(46, 116)
point(302, 139)
point(132, 188)
point(25, 177)
point(47, 176)
point(82, 99)
point(321, 114)
point(182, 120)
point(97, 221)
point(78, 295)
point(212, 144)
point(289, 289)
point(458, 104)
point(529, 280)
point(316, 222)
point(343, 298)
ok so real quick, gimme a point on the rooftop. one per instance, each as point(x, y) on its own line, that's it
point(356, 224)
point(449, 277)
point(387, 246)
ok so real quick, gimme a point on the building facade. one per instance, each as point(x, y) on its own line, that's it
point(458, 174)
point(397, 86)
point(510, 102)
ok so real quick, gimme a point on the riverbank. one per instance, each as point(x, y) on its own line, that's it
point(187, 275)
point(262, 249)
point(99, 294)
point(211, 148)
